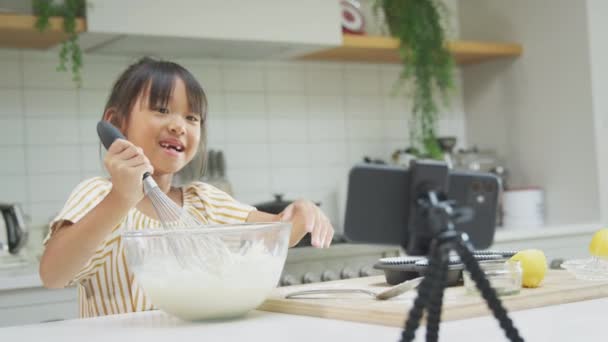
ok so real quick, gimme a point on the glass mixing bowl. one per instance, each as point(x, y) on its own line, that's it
point(210, 272)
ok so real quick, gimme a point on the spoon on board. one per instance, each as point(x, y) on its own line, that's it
point(391, 292)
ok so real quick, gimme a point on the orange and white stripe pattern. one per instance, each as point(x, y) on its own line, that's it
point(105, 283)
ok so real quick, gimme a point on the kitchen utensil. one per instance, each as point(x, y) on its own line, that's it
point(592, 268)
point(169, 213)
point(13, 232)
point(505, 276)
point(389, 293)
point(228, 287)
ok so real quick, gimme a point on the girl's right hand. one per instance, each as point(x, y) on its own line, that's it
point(127, 164)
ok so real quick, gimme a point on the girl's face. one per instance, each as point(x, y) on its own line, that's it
point(170, 134)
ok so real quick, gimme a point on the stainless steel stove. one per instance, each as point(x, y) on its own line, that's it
point(340, 261)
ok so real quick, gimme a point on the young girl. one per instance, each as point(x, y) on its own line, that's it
point(162, 111)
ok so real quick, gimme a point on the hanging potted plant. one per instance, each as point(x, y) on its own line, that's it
point(427, 64)
point(70, 54)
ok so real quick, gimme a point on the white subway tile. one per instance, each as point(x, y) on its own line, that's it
point(246, 131)
point(361, 80)
point(13, 189)
point(321, 130)
point(52, 187)
point(12, 73)
point(389, 76)
point(42, 213)
point(364, 107)
point(52, 159)
point(285, 80)
point(289, 155)
point(10, 54)
point(245, 105)
point(288, 131)
point(374, 150)
point(329, 154)
point(215, 104)
point(208, 74)
point(326, 177)
point(249, 156)
point(40, 70)
point(216, 131)
point(49, 103)
point(396, 129)
point(294, 181)
point(91, 103)
point(324, 80)
point(101, 75)
point(12, 132)
point(242, 78)
point(88, 130)
point(92, 158)
point(287, 107)
point(246, 180)
point(52, 131)
point(367, 130)
point(11, 103)
point(397, 107)
point(325, 106)
point(13, 160)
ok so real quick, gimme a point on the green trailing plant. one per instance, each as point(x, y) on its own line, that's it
point(70, 54)
point(427, 64)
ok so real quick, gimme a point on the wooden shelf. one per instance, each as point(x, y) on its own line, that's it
point(376, 49)
point(19, 31)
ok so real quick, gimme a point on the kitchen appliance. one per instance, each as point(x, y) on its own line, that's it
point(13, 232)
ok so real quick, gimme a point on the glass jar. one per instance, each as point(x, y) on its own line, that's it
point(504, 276)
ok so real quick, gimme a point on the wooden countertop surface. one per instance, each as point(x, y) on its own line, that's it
point(558, 287)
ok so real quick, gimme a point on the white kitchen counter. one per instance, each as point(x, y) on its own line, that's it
point(19, 277)
point(568, 322)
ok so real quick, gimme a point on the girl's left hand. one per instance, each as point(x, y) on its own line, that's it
point(306, 217)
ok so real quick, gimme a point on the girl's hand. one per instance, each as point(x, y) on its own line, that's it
point(127, 164)
point(306, 217)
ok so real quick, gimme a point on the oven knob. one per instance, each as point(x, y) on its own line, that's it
point(288, 280)
point(309, 277)
point(347, 273)
point(329, 275)
point(366, 271)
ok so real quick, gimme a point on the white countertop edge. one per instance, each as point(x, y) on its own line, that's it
point(527, 233)
point(20, 278)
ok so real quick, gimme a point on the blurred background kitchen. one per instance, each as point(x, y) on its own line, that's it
point(282, 124)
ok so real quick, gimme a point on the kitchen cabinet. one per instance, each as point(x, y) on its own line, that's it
point(18, 31)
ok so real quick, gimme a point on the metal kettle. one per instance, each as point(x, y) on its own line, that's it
point(13, 232)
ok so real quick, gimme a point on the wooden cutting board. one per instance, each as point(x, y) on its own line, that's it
point(558, 287)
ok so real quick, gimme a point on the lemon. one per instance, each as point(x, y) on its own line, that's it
point(599, 243)
point(533, 265)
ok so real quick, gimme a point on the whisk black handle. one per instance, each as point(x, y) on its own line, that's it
point(108, 133)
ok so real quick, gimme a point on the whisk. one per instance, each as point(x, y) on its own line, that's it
point(170, 215)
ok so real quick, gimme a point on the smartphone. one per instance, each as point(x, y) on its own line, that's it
point(377, 205)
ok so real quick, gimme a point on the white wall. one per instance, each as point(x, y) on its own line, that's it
point(536, 110)
point(294, 128)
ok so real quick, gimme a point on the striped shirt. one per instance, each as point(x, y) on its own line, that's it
point(105, 283)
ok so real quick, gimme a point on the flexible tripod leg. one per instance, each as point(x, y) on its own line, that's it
point(487, 292)
point(436, 301)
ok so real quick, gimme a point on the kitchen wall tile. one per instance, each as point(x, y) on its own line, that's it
point(374, 150)
point(320, 130)
point(102, 75)
point(389, 76)
point(49, 103)
point(325, 107)
point(326, 177)
point(285, 80)
point(13, 189)
point(289, 155)
point(286, 107)
point(290, 180)
point(208, 74)
point(396, 107)
point(239, 77)
point(91, 102)
point(216, 131)
point(52, 187)
point(364, 107)
point(40, 70)
point(52, 131)
point(92, 160)
point(250, 156)
point(10, 54)
point(328, 154)
point(324, 79)
point(246, 131)
point(361, 79)
point(287, 131)
point(52, 159)
point(12, 132)
point(254, 197)
point(246, 180)
point(396, 129)
point(367, 130)
point(11, 102)
point(88, 130)
point(44, 212)
point(245, 105)
point(13, 161)
point(216, 106)
point(12, 73)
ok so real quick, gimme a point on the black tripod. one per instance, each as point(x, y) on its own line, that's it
point(439, 215)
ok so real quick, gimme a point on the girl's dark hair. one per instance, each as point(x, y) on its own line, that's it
point(157, 78)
